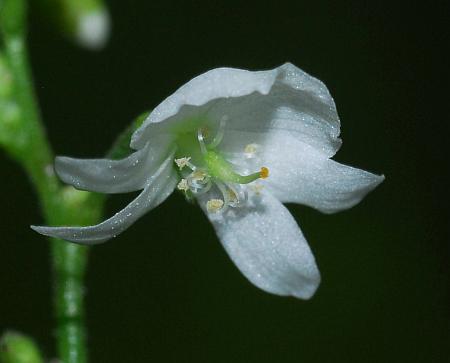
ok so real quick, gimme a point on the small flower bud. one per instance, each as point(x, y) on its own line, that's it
point(87, 22)
point(18, 348)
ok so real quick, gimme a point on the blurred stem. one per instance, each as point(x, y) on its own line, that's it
point(60, 205)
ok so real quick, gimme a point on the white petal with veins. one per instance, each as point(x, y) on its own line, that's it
point(266, 244)
point(283, 98)
point(301, 174)
point(159, 187)
point(113, 176)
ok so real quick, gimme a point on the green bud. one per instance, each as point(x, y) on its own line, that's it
point(87, 22)
point(18, 348)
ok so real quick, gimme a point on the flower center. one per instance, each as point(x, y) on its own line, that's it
point(204, 170)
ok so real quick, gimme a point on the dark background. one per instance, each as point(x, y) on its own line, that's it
point(165, 290)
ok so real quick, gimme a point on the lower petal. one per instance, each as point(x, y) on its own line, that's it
point(266, 244)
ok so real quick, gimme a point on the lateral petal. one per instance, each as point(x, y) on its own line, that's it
point(159, 187)
point(113, 176)
point(301, 174)
point(266, 244)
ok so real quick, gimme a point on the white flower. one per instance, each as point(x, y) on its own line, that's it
point(241, 143)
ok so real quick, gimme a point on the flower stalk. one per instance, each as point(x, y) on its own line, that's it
point(24, 139)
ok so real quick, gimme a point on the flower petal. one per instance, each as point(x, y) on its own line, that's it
point(301, 174)
point(159, 186)
point(113, 176)
point(266, 244)
point(283, 98)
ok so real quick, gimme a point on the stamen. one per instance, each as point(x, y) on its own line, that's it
point(232, 196)
point(223, 189)
point(257, 188)
point(250, 150)
point(205, 131)
point(183, 185)
point(199, 181)
point(202, 133)
point(219, 135)
point(237, 195)
point(185, 161)
point(217, 173)
point(201, 140)
point(214, 205)
point(199, 175)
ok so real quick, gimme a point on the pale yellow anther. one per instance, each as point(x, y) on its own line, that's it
point(232, 195)
point(214, 205)
point(183, 185)
point(182, 162)
point(199, 175)
point(257, 188)
point(250, 150)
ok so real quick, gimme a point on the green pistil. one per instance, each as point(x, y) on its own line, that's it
point(221, 169)
point(204, 156)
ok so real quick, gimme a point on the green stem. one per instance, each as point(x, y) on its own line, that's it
point(60, 205)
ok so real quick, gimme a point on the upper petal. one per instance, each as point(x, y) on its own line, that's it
point(301, 174)
point(266, 244)
point(159, 186)
point(215, 84)
point(113, 176)
point(283, 98)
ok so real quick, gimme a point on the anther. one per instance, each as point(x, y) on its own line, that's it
point(182, 162)
point(214, 205)
point(232, 196)
point(199, 182)
point(183, 185)
point(250, 150)
point(199, 175)
point(257, 188)
point(237, 196)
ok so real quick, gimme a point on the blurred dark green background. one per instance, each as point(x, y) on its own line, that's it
point(165, 291)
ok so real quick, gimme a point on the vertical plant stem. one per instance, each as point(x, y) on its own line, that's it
point(60, 205)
